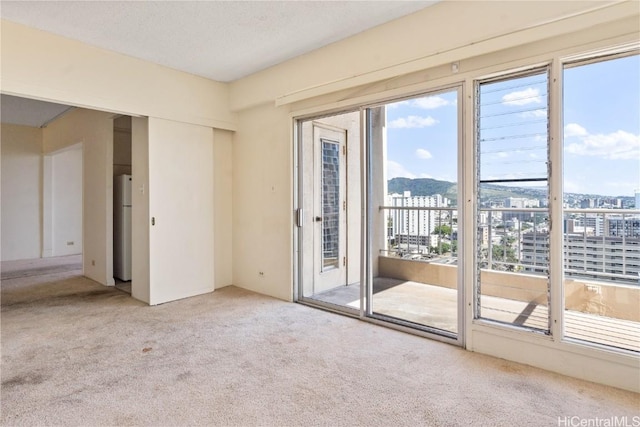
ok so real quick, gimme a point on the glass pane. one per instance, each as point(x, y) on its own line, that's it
point(602, 202)
point(330, 203)
point(414, 145)
point(512, 223)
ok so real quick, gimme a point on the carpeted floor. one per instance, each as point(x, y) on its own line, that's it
point(77, 353)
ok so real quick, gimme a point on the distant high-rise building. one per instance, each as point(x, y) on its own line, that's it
point(414, 226)
point(588, 204)
point(637, 199)
point(521, 203)
point(619, 225)
point(609, 259)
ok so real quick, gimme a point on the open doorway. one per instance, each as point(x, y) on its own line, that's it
point(62, 202)
point(122, 205)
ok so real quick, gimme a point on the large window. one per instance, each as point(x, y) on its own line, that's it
point(543, 195)
point(513, 192)
point(601, 184)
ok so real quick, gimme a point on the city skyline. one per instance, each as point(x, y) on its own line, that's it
point(601, 112)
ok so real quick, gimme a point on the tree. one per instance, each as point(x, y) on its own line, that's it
point(443, 230)
point(504, 254)
point(442, 249)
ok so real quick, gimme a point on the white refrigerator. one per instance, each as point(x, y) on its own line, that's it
point(122, 227)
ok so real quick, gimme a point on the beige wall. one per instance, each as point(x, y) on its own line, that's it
point(223, 209)
point(20, 153)
point(65, 186)
point(446, 32)
point(44, 66)
point(140, 282)
point(262, 202)
point(94, 129)
point(122, 146)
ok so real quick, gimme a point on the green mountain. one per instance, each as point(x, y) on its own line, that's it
point(429, 187)
point(490, 192)
point(422, 186)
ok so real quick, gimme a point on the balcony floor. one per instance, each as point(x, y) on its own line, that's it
point(436, 307)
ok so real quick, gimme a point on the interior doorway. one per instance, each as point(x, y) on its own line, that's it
point(122, 203)
point(62, 187)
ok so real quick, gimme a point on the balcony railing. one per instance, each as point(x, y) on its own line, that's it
point(602, 244)
point(421, 233)
point(599, 244)
point(517, 239)
point(601, 263)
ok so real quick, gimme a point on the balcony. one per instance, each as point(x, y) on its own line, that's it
point(594, 311)
point(417, 275)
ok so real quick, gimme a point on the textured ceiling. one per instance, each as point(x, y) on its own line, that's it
point(29, 112)
point(220, 40)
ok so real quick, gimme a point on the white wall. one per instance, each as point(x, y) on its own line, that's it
point(66, 190)
point(181, 243)
point(94, 129)
point(20, 153)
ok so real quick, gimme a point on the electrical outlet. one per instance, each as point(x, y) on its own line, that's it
point(261, 273)
point(70, 243)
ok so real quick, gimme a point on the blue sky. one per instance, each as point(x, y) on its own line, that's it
point(601, 126)
point(422, 138)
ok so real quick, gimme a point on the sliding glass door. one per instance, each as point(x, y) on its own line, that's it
point(413, 150)
point(377, 218)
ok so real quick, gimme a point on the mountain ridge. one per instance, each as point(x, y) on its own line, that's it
point(430, 187)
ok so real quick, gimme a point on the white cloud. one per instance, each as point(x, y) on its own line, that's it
point(425, 175)
point(412, 122)
point(503, 154)
point(430, 102)
point(523, 97)
point(539, 113)
point(423, 154)
point(426, 103)
point(395, 169)
point(574, 129)
point(618, 145)
point(397, 104)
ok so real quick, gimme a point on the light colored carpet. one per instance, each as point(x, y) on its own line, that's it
point(77, 353)
point(40, 267)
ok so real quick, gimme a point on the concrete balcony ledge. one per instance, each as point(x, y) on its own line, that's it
point(585, 296)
